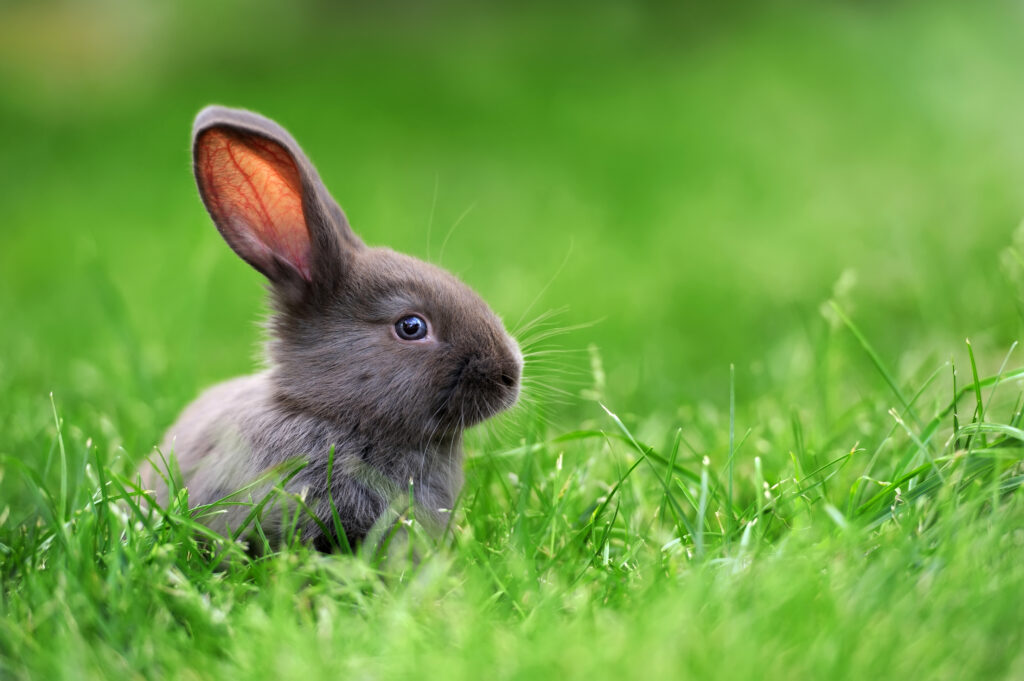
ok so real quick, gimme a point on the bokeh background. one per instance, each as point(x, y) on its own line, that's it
point(694, 181)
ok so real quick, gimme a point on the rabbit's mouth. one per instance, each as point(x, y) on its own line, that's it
point(481, 387)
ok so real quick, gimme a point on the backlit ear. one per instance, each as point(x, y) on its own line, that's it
point(252, 188)
point(268, 201)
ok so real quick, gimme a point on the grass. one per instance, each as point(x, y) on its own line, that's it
point(716, 473)
point(888, 545)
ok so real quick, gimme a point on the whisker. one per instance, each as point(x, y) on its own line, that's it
point(554, 394)
point(528, 342)
point(555, 351)
point(542, 318)
point(563, 378)
point(561, 371)
point(433, 207)
point(547, 285)
point(458, 221)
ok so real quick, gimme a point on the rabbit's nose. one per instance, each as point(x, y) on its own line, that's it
point(495, 371)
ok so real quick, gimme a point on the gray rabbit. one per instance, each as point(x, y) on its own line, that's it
point(378, 355)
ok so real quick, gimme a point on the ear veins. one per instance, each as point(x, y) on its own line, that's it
point(255, 188)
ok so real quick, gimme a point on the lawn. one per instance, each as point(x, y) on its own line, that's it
point(754, 444)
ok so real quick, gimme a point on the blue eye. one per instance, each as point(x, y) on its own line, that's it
point(411, 328)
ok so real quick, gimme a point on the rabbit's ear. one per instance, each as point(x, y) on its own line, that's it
point(268, 201)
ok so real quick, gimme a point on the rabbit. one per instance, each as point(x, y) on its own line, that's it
point(377, 356)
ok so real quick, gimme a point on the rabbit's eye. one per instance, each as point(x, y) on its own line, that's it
point(411, 328)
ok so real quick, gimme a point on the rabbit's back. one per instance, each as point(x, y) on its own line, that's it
point(209, 438)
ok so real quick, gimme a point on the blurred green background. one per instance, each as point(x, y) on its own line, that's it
point(698, 181)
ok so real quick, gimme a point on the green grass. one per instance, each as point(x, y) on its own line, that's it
point(889, 545)
point(765, 451)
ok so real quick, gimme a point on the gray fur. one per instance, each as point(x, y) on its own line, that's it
point(338, 376)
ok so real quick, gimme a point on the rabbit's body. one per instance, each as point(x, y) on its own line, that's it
point(238, 430)
point(382, 357)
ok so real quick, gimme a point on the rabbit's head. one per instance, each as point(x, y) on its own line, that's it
point(366, 336)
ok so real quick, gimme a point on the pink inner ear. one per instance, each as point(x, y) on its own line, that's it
point(255, 192)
